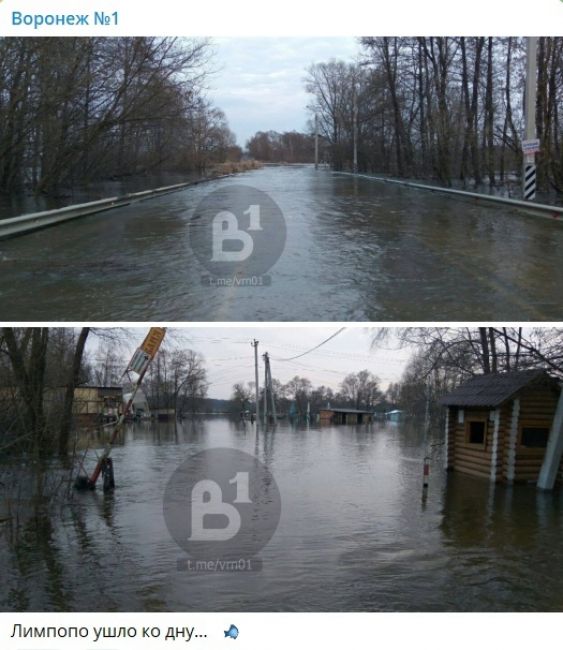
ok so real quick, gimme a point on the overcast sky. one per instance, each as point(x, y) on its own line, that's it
point(259, 81)
point(229, 357)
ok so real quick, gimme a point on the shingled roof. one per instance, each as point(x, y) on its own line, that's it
point(493, 389)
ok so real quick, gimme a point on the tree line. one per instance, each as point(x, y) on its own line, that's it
point(445, 357)
point(445, 108)
point(75, 110)
point(287, 147)
point(40, 368)
point(359, 390)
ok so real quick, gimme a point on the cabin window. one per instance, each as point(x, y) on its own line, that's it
point(476, 432)
point(534, 436)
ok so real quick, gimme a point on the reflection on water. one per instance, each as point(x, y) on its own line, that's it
point(354, 533)
point(355, 250)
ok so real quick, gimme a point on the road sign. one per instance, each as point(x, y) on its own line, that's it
point(140, 361)
point(531, 146)
point(153, 340)
point(147, 350)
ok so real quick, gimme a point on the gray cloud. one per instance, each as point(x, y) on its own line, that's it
point(259, 82)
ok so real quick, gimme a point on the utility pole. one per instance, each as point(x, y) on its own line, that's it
point(271, 389)
point(316, 140)
point(530, 144)
point(426, 464)
point(355, 129)
point(265, 390)
point(254, 344)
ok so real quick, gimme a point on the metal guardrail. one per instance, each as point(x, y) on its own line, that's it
point(552, 212)
point(34, 221)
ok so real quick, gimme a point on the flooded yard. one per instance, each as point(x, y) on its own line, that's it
point(355, 533)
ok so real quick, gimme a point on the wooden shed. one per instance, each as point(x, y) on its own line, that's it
point(331, 415)
point(498, 425)
point(97, 404)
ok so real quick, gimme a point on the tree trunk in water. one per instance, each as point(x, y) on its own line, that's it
point(66, 420)
point(28, 359)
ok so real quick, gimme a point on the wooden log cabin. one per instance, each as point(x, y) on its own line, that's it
point(498, 425)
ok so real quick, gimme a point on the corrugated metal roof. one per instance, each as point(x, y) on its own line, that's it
point(494, 389)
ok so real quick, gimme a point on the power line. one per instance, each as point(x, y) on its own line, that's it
point(315, 348)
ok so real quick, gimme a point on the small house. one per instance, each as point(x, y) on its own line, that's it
point(95, 405)
point(140, 409)
point(331, 415)
point(498, 425)
point(396, 415)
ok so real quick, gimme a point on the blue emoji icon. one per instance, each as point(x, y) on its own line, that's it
point(232, 632)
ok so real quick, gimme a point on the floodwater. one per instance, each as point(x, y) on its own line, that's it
point(354, 534)
point(356, 249)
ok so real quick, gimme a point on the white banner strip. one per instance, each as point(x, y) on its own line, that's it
point(248, 631)
point(292, 18)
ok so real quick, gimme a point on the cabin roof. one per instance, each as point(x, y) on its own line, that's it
point(98, 387)
point(493, 389)
point(339, 410)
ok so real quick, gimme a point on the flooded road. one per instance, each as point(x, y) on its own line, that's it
point(355, 250)
point(354, 533)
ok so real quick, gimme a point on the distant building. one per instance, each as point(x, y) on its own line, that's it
point(97, 404)
point(140, 408)
point(331, 415)
point(498, 425)
point(394, 416)
point(164, 414)
point(92, 405)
